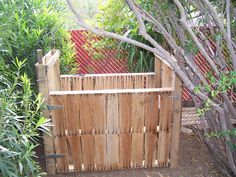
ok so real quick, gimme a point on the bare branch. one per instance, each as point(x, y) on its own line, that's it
point(195, 39)
point(228, 40)
point(101, 32)
point(228, 18)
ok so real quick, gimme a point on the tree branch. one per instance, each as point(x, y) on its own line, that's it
point(228, 40)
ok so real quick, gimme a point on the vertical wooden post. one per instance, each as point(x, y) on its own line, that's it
point(176, 123)
point(158, 73)
point(165, 77)
point(48, 77)
point(163, 74)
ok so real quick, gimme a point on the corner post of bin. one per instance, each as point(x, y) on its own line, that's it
point(176, 121)
point(166, 77)
point(48, 78)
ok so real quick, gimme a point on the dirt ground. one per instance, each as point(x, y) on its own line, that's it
point(193, 162)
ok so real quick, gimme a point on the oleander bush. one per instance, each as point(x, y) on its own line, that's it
point(20, 123)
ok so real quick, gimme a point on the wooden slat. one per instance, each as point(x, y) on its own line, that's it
point(137, 151)
point(150, 149)
point(113, 150)
point(88, 149)
point(72, 114)
point(164, 129)
point(151, 112)
point(76, 151)
point(138, 112)
point(166, 76)
point(86, 118)
point(101, 159)
point(58, 116)
point(76, 83)
point(88, 83)
point(158, 73)
point(107, 81)
point(112, 113)
point(61, 148)
point(125, 112)
point(48, 78)
point(128, 82)
point(99, 113)
point(125, 150)
point(150, 82)
point(65, 84)
point(99, 83)
point(177, 110)
point(138, 82)
point(112, 91)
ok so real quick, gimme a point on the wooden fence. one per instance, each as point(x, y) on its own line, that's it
point(110, 121)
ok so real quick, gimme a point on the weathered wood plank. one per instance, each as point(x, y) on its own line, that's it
point(86, 118)
point(125, 150)
point(76, 151)
point(101, 159)
point(151, 112)
point(138, 112)
point(177, 110)
point(99, 113)
point(112, 113)
point(125, 112)
point(61, 148)
point(150, 149)
point(88, 149)
point(88, 83)
point(72, 114)
point(137, 151)
point(113, 150)
point(164, 129)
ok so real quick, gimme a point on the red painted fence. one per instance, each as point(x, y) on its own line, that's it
point(108, 62)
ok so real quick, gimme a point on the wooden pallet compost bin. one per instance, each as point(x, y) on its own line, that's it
point(110, 121)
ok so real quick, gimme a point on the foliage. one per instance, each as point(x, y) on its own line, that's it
point(115, 16)
point(20, 122)
point(27, 25)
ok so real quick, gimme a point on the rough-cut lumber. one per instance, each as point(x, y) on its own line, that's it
point(101, 157)
point(84, 92)
point(76, 151)
point(48, 77)
point(113, 121)
point(177, 109)
point(164, 129)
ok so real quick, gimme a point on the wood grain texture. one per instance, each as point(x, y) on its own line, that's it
point(107, 81)
point(138, 112)
point(101, 159)
point(88, 150)
point(72, 114)
point(125, 150)
point(151, 112)
point(74, 143)
point(99, 113)
point(61, 148)
point(113, 150)
point(164, 129)
point(86, 117)
point(150, 149)
point(112, 113)
point(137, 151)
point(125, 112)
point(177, 110)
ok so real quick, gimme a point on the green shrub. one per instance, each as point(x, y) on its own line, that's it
point(27, 25)
point(20, 122)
